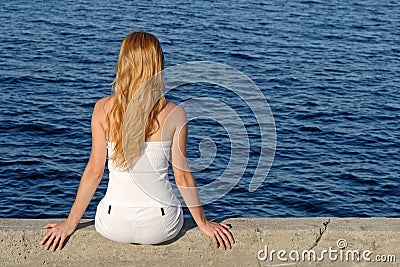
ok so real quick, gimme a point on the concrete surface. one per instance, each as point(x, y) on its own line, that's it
point(371, 237)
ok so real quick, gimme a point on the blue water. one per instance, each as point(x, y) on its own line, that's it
point(329, 69)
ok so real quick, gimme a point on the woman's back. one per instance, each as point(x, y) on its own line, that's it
point(146, 184)
point(140, 204)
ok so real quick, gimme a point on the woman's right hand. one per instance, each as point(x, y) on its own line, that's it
point(57, 234)
point(219, 233)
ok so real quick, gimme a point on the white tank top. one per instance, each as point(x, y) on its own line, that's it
point(146, 184)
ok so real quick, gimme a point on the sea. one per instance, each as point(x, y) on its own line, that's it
point(328, 71)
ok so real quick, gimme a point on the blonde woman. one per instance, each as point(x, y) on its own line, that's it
point(140, 131)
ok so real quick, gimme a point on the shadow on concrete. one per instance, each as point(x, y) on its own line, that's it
point(84, 225)
point(188, 224)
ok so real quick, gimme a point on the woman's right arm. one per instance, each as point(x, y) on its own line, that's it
point(218, 232)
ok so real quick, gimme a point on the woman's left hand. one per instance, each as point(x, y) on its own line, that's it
point(57, 234)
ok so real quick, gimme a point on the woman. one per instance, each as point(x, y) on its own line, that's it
point(138, 129)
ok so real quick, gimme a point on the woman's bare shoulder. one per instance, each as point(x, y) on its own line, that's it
point(104, 104)
point(105, 101)
point(101, 108)
point(172, 107)
point(176, 112)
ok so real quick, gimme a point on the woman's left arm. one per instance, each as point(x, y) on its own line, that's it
point(90, 180)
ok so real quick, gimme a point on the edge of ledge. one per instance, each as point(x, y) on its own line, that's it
point(19, 242)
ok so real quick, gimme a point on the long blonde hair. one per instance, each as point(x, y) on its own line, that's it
point(138, 91)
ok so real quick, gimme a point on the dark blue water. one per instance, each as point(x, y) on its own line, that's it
point(329, 69)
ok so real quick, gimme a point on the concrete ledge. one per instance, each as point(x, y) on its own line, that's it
point(255, 239)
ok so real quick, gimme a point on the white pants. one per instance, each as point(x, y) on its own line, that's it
point(149, 225)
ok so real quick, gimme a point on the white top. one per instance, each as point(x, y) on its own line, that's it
point(146, 184)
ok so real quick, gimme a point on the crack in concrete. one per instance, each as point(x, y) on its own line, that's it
point(321, 232)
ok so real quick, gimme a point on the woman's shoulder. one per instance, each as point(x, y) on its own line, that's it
point(176, 112)
point(102, 102)
point(101, 107)
point(172, 107)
